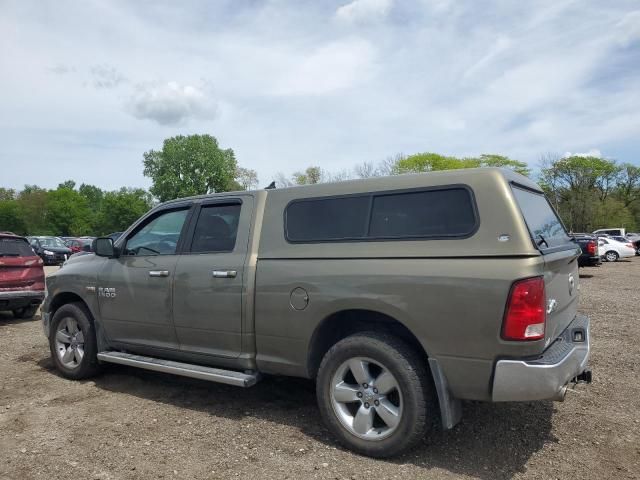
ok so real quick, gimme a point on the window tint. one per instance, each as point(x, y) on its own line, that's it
point(544, 225)
point(216, 229)
point(159, 236)
point(430, 213)
point(327, 219)
point(433, 213)
point(15, 247)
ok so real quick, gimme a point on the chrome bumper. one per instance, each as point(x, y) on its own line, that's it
point(545, 378)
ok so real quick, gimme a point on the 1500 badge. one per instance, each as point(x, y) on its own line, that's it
point(106, 292)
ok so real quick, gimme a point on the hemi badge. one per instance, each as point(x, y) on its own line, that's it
point(90, 289)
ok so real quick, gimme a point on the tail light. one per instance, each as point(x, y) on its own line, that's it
point(630, 245)
point(525, 314)
point(592, 248)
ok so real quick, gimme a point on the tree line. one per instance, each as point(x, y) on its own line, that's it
point(588, 192)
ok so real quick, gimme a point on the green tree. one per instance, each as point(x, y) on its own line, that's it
point(189, 165)
point(33, 205)
point(493, 160)
point(67, 212)
point(121, 208)
point(246, 178)
point(11, 217)
point(428, 162)
point(7, 194)
point(310, 176)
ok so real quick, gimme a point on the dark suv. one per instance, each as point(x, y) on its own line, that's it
point(52, 250)
point(21, 277)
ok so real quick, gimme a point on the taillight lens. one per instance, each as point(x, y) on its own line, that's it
point(591, 248)
point(525, 315)
point(630, 245)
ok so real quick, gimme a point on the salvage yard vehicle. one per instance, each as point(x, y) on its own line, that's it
point(612, 250)
point(52, 250)
point(589, 246)
point(21, 277)
point(400, 296)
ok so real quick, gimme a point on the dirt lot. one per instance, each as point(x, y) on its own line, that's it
point(137, 424)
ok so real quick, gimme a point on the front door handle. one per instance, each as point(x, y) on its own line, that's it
point(158, 273)
point(224, 274)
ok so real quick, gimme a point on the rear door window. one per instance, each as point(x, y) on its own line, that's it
point(545, 226)
point(15, 247)
point(216, 229)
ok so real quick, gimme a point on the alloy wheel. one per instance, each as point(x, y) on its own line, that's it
point(69, 342)
point(366, 398)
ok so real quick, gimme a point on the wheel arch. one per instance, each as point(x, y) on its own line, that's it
point(343, 323)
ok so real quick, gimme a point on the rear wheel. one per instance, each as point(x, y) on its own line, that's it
point(611, 256)
point(25, 312)
point(73, 342)
point(375, 394)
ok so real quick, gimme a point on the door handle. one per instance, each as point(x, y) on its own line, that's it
point(224, 274)
point(158, 273)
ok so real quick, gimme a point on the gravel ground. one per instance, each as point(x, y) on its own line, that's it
point(129, 423)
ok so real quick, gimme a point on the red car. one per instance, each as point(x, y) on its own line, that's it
point(21, 277)
point(79, 244)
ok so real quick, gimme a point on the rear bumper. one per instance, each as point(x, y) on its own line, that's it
point(546, 377)
point(11, 300)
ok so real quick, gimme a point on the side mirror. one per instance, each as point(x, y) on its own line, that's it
point(103, 247)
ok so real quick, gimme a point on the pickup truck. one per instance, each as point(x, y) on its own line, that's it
point(401, 296)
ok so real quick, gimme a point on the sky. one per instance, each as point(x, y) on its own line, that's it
point(87, 87)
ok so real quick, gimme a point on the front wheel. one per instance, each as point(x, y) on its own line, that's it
point(72, 342)
point(375, 394)
point(611, 256)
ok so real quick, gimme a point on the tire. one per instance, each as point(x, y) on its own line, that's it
point(74, 356)
point(611, 256)
point(412, 398)
point(25, 312)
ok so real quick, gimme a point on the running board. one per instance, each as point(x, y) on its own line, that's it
point(229, 377)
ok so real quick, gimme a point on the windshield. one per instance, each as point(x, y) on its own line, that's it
point(52, 242)
point(544, 225)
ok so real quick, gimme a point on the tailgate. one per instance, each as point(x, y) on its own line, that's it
point(561, 284)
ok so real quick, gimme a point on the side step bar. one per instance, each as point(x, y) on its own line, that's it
point(229, 377)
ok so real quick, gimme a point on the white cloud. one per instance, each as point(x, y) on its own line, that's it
point(106, 76)
point(343, 85)
point(629, 28)
point(594, 152)
point(170, 103)
point(329, 68)
point(363, 10)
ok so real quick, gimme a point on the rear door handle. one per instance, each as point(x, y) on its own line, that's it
point(158, 273)
point(224, 274)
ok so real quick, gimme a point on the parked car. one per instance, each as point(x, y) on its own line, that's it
point(589, 247)
point(612, 250)
point(52, 250)
point(386, 291)
point(21, 277)
point(82, 244)
point(610, 231)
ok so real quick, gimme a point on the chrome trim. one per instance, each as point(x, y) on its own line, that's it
point(228, 377)
point(543, 378)
point(224, 273)
point(159, 273)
